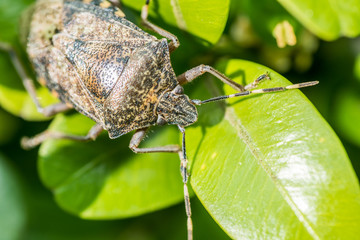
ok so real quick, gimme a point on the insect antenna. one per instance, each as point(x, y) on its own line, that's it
point(256, 91)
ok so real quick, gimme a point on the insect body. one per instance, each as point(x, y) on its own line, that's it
point(105, 67)
point(110, 70)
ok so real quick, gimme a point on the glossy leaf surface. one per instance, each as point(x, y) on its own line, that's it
point(104, 179)
point(269, 166)
point(203, 19)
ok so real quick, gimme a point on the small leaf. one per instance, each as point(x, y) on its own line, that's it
point(327, 19)
point(12, 209)
point(203, 19)
point(104, 179)
point(269, 167)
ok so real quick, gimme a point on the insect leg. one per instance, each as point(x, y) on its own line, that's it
point(185, 177)
point(255, 83)
point(28, 143)
point(116, 3)
point(135, 142)
point(256, 91)
point(174, 42)
point(139, 136)
point(195, 72)
point(30, 87)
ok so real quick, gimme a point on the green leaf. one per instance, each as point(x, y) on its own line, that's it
point(12, 210)
point(203, 19)
point(347, 115)
point(10, 12)
point(104, 179)
point(327, 19)
point(13, 96)
point(269, 167)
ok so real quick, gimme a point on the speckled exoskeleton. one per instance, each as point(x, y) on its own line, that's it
point(105, 67)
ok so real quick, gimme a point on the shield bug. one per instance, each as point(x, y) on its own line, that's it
point(107, 68)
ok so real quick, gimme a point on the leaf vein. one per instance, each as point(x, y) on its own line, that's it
point(231, 117)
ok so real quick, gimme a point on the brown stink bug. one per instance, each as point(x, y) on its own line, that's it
point(107, 68)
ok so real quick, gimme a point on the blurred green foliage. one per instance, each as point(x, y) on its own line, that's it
point(248, 35)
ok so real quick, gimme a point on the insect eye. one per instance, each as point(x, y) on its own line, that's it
point(178, 89)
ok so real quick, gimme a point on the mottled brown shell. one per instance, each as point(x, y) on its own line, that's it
point(103, 65)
